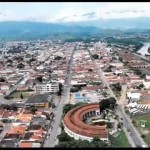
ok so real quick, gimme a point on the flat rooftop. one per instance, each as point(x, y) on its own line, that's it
point(38, 98)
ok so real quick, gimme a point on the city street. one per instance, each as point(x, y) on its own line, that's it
point(6, 128)
point(134, 135)
point(52, 140)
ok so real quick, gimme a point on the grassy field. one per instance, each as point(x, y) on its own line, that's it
point(17, 94)
point(120, 140)
point(146, 118)
point(146, 129)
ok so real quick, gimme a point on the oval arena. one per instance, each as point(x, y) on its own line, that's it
point(76, 128)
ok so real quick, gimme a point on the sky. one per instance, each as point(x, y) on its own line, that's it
point(71, 11)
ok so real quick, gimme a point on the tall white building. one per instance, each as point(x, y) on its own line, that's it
point(52, 87)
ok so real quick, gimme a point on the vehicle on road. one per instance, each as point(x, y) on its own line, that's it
point(53, 105)
point(128, 131)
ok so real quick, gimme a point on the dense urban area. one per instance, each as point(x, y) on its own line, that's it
point(94, 93)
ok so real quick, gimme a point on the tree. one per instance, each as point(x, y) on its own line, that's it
point(143, 136)
point(32, 59)
point(98, 143)
point(107, 103)
point(64, 137)
point(141, 86)
point(39, 78)
point(114, 58)
point(20, 66)
point(57, 58)
point(120, 59)
point(142, 75)
point(109, 125)
point(95, 139)
point(75, 89)
point(21, 96)
point(133, 121)
point(13, 107)
point(104, 94)
point(72, 143)
point(119, 125)
point(9, 61)
point(33, 109)
point(2, 79)
point(66, 108)
point(95, 56)
point(90, 70)
point(117, 86)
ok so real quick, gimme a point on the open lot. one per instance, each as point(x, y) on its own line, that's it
point(17, 94)
point(119, 139)
point(143, 130)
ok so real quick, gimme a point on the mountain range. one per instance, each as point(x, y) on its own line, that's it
point(141, 23)
point(24, 30)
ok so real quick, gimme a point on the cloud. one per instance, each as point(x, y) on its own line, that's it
point(89, 14)
point(72, 12)
point(61, 19)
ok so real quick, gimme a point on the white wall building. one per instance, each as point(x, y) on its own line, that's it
point(146, 84)
point(52, 87)
point(133, 95)
point(147, 77)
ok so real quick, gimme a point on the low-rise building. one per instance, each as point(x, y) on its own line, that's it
point(52, 87)
point(39, 100)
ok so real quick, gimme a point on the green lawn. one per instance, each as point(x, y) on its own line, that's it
point(146, 118)
point(120, 141)
point(17, 94)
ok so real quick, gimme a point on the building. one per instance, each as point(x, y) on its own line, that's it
point(146, 84)
point(39, 100)
point(133, 96)
point(52, 87)
point(75, 127)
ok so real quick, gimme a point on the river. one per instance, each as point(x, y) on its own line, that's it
point(144, 49)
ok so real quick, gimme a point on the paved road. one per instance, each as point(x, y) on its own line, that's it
point(134, 135)
point(6, 128)
point(102, 77)
point(52, 140)
point(122, 100)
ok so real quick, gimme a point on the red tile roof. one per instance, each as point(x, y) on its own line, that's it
point(73, 121)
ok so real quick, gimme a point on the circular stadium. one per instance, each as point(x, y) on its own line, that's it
point(75, 126)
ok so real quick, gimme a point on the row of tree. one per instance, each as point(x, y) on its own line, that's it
point(69, 142)
point(68, 107)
